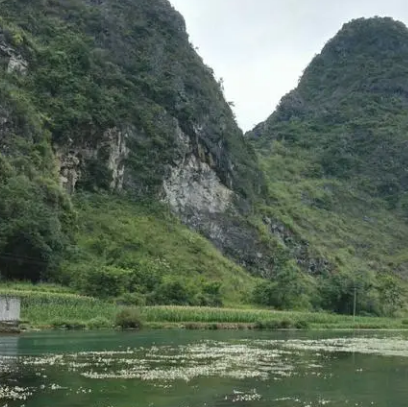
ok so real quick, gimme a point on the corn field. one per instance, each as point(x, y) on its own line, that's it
point(45, 309)
point(174, 314)
point(49, 308)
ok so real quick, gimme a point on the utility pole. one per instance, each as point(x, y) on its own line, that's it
point(354, 303)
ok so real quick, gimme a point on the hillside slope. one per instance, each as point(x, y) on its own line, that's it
point(335, 152)
point(124, 174)
point(109, 97)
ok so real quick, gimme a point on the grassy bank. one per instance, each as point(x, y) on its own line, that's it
point(58, 308)
point(55, 307)
point(266, 319)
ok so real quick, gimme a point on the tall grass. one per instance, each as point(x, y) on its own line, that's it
point(47, 309)
point(175, 314)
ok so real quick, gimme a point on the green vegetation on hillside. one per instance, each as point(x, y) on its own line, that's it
point(95, 66)
point(36, 216)
point(143, 254)
point(321, 186)
point(335, 153)
point(91, 67)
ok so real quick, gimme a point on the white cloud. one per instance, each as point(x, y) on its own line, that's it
point(261, 47)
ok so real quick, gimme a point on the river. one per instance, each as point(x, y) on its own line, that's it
point(176, 368)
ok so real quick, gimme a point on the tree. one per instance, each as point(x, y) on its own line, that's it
point(289, 289)
point(392, 294)
point(339, 291)
point(32, 236)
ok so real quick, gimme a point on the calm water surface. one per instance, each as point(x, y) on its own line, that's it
point(204, 369)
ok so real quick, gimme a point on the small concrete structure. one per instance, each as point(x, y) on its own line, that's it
point(9, 310)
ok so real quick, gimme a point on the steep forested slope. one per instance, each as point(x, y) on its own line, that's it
point(335, 152)
point(109, 97)
point(124, 174)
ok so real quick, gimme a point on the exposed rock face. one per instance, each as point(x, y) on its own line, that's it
point(118, 152)
point(193, 186)
point(69, 165)
point(15, 62)
point(197, 195)
point(73, 160)
point(4, 122)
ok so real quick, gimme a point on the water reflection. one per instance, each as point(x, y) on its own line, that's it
point(8, 354)
point(9, 345)
point(206, 369)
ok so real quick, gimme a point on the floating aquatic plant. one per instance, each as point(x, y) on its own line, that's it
point(163, 366)
point(14, 393)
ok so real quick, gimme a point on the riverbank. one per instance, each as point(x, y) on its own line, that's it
point(52, 309)
point(229, 318)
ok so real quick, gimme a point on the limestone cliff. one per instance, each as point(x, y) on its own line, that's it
point(130, 108)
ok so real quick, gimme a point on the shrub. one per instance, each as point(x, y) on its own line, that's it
point(192, 326)
point(263, 293)
point(211, 294)
point(70, 325)
point(147, 274)
point(267, 325)
point(302, 324)
point(128, 319)
point(286, 324)
point(290, 289)
point(106, 282)
point(99, 323)
point(274, 324)
point(135, 299)
point(174, 292)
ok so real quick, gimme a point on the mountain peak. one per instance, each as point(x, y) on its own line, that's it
point(364, 51)
point(367, 59)
point(376, 37)
point(350, 106)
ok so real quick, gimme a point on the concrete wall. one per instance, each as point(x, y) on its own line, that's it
point(9, 309)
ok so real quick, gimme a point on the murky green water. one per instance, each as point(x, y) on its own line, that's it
point(204, 369)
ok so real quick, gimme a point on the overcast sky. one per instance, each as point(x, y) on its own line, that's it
point(261, 47)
